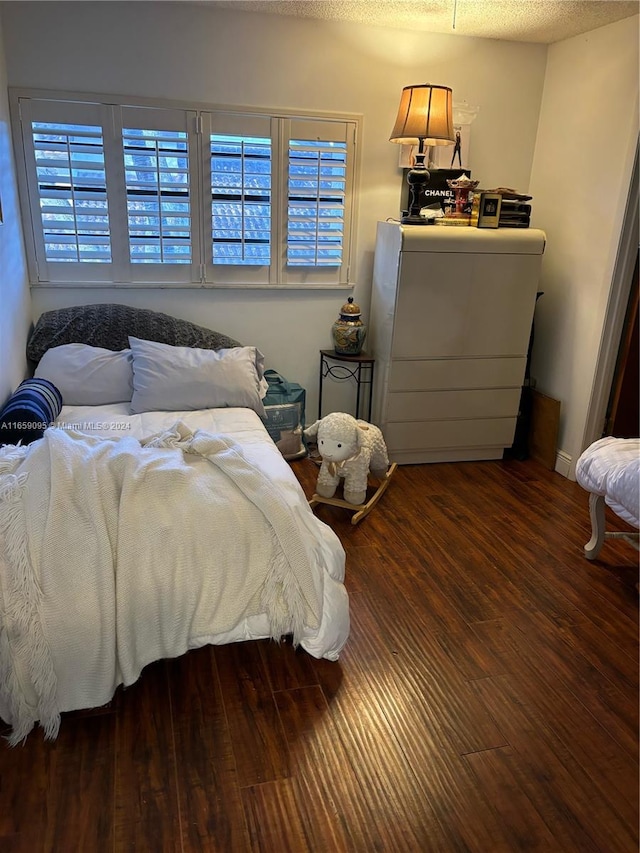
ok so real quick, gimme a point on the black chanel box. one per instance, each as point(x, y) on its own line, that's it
point(436, 191)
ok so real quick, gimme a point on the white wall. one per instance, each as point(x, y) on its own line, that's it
point(580, 180)
point(15, 304)
point(197, 52)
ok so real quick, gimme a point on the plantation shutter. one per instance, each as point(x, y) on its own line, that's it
point(320, 167)
point(238, 192)
point(70, 213)
point(158, 155)
point(150, 194)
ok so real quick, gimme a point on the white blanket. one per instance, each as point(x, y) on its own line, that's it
point(114, 554)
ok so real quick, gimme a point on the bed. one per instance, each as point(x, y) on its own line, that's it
point(609, 469)
point(132, 532)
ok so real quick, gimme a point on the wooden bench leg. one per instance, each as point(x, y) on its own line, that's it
point(596, 512)
point(599, 532)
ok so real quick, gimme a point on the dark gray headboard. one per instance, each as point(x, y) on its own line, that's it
point(109, 325)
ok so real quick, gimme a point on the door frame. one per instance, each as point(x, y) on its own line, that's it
point(616, 312)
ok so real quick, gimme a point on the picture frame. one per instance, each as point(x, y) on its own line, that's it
point(456, 155)
point(485, 210)
point(1, 214)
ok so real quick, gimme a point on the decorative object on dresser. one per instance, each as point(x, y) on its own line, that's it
point(348, 331)
point(485, 209)
point(437, 195)
point(425, 118)
point(462, 188)
point(451, 317)
point(514, 214)
point(442, 158)
point(515, 210)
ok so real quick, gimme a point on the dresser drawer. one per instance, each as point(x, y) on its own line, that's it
point(445, 373)
point(464, 304)
point(441, 405)
point(440, 435)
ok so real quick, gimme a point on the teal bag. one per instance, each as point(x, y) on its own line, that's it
point(284, 405)
point(282, 391)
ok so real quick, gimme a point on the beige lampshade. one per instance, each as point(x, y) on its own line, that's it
point(425, 112)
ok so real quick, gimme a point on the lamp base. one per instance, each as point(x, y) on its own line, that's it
point(411, 219)
point(417, 178)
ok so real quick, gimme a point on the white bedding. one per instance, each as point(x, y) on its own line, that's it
point(101, 620)
point(610, 468)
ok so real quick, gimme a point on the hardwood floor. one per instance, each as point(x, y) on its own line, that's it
point(487, 701)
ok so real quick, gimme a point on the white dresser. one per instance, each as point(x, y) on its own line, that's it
point(451, 316)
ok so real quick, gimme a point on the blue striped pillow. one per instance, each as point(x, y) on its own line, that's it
point(33, 406)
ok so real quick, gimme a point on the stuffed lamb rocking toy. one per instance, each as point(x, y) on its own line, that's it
point(349, 449)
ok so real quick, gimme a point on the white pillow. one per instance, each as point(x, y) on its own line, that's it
point(88, 376)
point(168, 378)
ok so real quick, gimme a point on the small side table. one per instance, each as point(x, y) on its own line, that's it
point(358, 367)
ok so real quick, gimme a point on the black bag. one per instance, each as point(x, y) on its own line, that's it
point(284, 404)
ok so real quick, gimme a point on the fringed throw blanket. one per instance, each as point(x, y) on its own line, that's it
point(114, 554)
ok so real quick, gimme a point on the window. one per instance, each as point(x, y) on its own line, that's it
point(153, 194)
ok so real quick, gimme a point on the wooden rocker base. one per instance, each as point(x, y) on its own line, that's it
point(361, 510)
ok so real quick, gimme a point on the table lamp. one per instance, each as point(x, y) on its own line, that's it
point(425, 118)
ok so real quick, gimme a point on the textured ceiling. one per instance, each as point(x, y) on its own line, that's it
point(544, 21)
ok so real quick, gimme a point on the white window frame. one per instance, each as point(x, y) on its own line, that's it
point(198, 120)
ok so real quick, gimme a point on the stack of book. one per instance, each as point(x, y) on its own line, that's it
point(514, 214)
